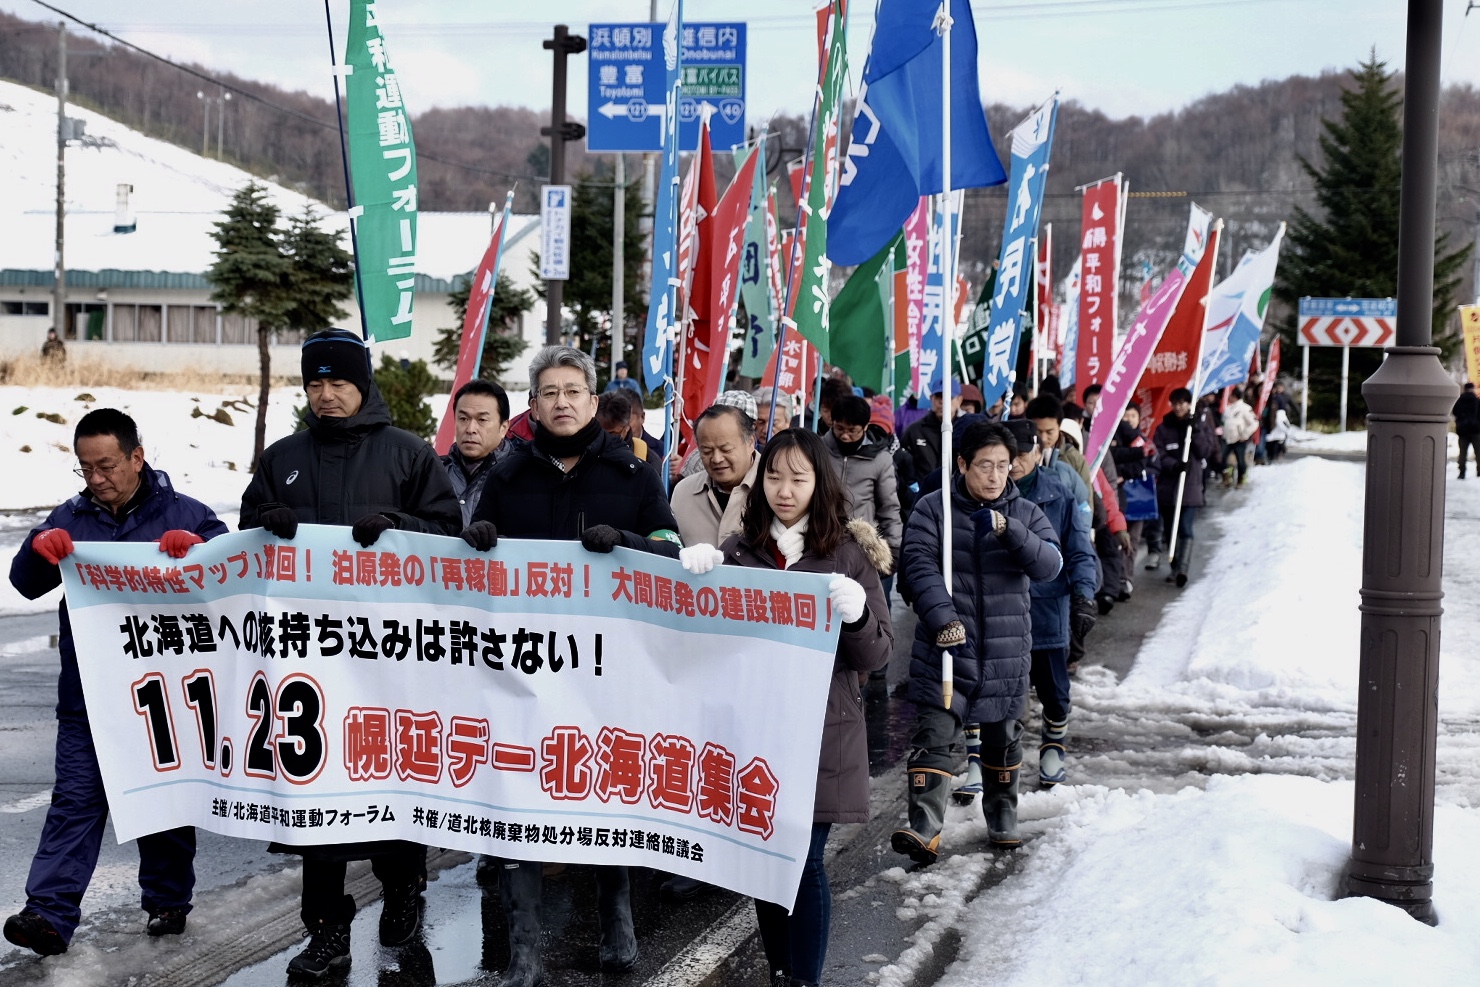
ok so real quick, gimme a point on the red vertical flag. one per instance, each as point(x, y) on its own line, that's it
point(1044, 347)
point(1099, 280)
point(1174, 363)
point(697, 308)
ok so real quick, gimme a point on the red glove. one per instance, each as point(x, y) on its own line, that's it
point(177, 542)
point(53, 545)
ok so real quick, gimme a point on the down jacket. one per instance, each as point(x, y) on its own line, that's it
point(990, 595)
point(160, 508)
point(1078, 576)
point(1170, 436)
point(842, 766)
point(338, 470)
point(868, 476)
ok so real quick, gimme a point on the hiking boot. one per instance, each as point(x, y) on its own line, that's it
point(972, 787)
point(328, 949)
point(30, 931)
point(400, 913)
point(166, 922)
point(618, 950)
point(999, 806)
point(1052, 767)
point(920, 841)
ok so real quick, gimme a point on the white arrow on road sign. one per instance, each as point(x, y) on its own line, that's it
point(634, 110)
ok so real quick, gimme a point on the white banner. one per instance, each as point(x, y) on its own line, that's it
point(539, 701)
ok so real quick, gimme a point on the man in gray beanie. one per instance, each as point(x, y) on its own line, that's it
point(350, 467)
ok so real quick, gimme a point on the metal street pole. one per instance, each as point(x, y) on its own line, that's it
point(563, 44)
point(59, 276)
point(221, 120)
point(205, 123)
point(1409, 398)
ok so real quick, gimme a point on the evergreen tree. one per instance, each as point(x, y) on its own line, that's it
point(1351, 250)
point(502, 342)
point(405, 389)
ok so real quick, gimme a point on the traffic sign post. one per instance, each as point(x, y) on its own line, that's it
point(555, 232)
point(625, 93)
point(1344, 322)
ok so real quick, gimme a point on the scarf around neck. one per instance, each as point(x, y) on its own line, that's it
point(564, 446)
point(790, 542)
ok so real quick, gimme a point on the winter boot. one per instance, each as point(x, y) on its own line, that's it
point(400, 913)
point(328, 949)
point(1052, 768)
point(999, 805)
point(614, 909)
point(920, 841)
point(1184, 560)
point(520, 887)
point(29, 930)
point(1153, 560)
point(972, 787)
point(166, 921)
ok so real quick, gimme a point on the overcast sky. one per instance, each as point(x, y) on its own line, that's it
point(1124, 57)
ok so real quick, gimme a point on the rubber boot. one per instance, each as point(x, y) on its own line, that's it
point(1184, 560)
point(614, 909)
point(1153, 560)
point(999, 805)
point(972, 787)
point(520, 886)
point(920, 841)
point(1052, 766)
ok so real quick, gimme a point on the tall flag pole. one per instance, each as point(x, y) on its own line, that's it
point(943, 25)
point(349, 187)
point(382, 159)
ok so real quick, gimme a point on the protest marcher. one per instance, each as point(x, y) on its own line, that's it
point(350, 467)
point(125, 500)
point(573, 482)
point(1239, 426)
point(481, 419)
point(1467, 426)
point(797, 519)
point(1279, 434)
point(972, 401)
point(1173, 457)
point(709, 504)
point(1019, 404)
point(1091, 398)
point(1135, 463)
point(693, 462)
point(620, 381)
point(859, 451)
point(1001, 542)
point(763, 413)
point(922, 439)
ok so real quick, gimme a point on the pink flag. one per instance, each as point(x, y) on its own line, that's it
point(916, 237)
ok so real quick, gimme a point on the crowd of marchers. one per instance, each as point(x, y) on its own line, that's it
point(1043, 543)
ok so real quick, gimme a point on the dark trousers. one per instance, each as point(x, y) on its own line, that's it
point(797, 943)
point(1240, 452)
point(324, 899)
point(1184, 525)
point(73, 834)
point(1050, 678)
point(937, 730)
point(1468, 442)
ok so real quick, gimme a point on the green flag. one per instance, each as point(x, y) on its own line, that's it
point(974, 343)
point(755, 276)
point(382, 161)
point(862, 332)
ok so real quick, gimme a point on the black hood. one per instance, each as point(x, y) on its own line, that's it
point(374, 413)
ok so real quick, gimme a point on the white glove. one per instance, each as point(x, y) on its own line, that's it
point(848, 598)
point(700, 558)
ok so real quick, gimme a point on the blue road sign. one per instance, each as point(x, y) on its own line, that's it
point(1374, 308)
point(625, 105)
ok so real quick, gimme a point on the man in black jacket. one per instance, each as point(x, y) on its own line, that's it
point(574, 482)
point(1467, 426)
point(350, 466)
point(480, 411)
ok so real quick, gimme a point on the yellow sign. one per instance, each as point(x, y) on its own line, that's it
point(1469, 317)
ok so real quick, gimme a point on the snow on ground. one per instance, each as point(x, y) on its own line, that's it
point(1345, 443)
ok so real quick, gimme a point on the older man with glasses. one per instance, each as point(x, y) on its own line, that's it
point(576, 482)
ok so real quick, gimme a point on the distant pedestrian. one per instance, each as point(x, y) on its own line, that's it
point(1467, 426)
point(1239, 426)
point(124, 500)
point(1183, 445)
point(620, 381)
point(54, 350)
point(1279, 434)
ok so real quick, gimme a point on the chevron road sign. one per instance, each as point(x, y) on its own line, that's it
point(1348, 321)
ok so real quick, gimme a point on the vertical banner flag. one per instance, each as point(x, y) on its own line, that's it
point(1174, 362)
point(382, 164)
point(934, 316)
point(1069, 343)
point(1469, 319)
point(974, 341)
point(912, 312)
point(1100, 281)
point(1271, 374)
point(1236, 309)
point(1141, 339)
point(475, 324)
point(1032, 141)
point(862, 334)
point(896, 149)
point(1046, 348)
point(755, 277)
point(657, 353)
point(697, 295)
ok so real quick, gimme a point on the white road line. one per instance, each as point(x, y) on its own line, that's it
point(706, 953)
point(27, 803)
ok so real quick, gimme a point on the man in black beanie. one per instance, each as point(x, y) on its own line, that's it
point(351, 467)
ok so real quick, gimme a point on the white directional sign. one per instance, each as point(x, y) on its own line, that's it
point(1348, 321)
point(555, 232)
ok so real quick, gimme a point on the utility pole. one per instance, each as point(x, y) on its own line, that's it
point(619, 261)
point(205, 124)
point(59, 278)
point(221, 119)
point(1409, 397)
point(563, 44)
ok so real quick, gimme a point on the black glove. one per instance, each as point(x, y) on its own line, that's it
point(1174, 467)
point(481, 535)
point(1082, 616)
point(368, 528)
point(278, 520)
point(601, 538)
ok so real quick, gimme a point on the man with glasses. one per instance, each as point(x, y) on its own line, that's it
point(1001, 543)
point(575, 482)
point(125, 499)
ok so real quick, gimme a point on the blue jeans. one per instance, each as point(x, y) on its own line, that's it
point(797, 943)
point(1050, 678)
point(73, 834)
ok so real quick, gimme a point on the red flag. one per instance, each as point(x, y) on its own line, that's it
point(1046, 345)
point(1272, 371)
point(475, 326)
point(1174, 363)
point(698, 309)
point(1099, 266)
point(799, 366)
point(688, 232)
point(794, 174)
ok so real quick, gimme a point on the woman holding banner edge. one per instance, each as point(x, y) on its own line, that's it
point(797, 519)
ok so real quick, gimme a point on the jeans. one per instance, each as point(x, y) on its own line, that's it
point(1050, 678)
point(1184, 525)
point(797, 943)
point(1240, 452)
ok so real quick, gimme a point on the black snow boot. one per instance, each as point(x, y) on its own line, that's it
point(614, 909)
point(920, 841)
point(999, 805)
point(1184, 560)
point(400, 913)
point(328, 949)
point(520, 886)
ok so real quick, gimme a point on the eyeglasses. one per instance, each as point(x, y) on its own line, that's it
point(102, 471)
point(987, 467)
point(572, 392)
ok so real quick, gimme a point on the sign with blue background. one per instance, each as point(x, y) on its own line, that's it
point(1372, 308)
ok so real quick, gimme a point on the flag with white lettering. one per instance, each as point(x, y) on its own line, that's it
point(1099, 292)
point(663, 316)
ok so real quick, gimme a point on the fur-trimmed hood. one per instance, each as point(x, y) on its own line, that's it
point(874, 548)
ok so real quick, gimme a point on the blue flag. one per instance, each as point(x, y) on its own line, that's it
point(1032, 140)
point(1235, 319)
point(894, 156)
point(657, 348)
